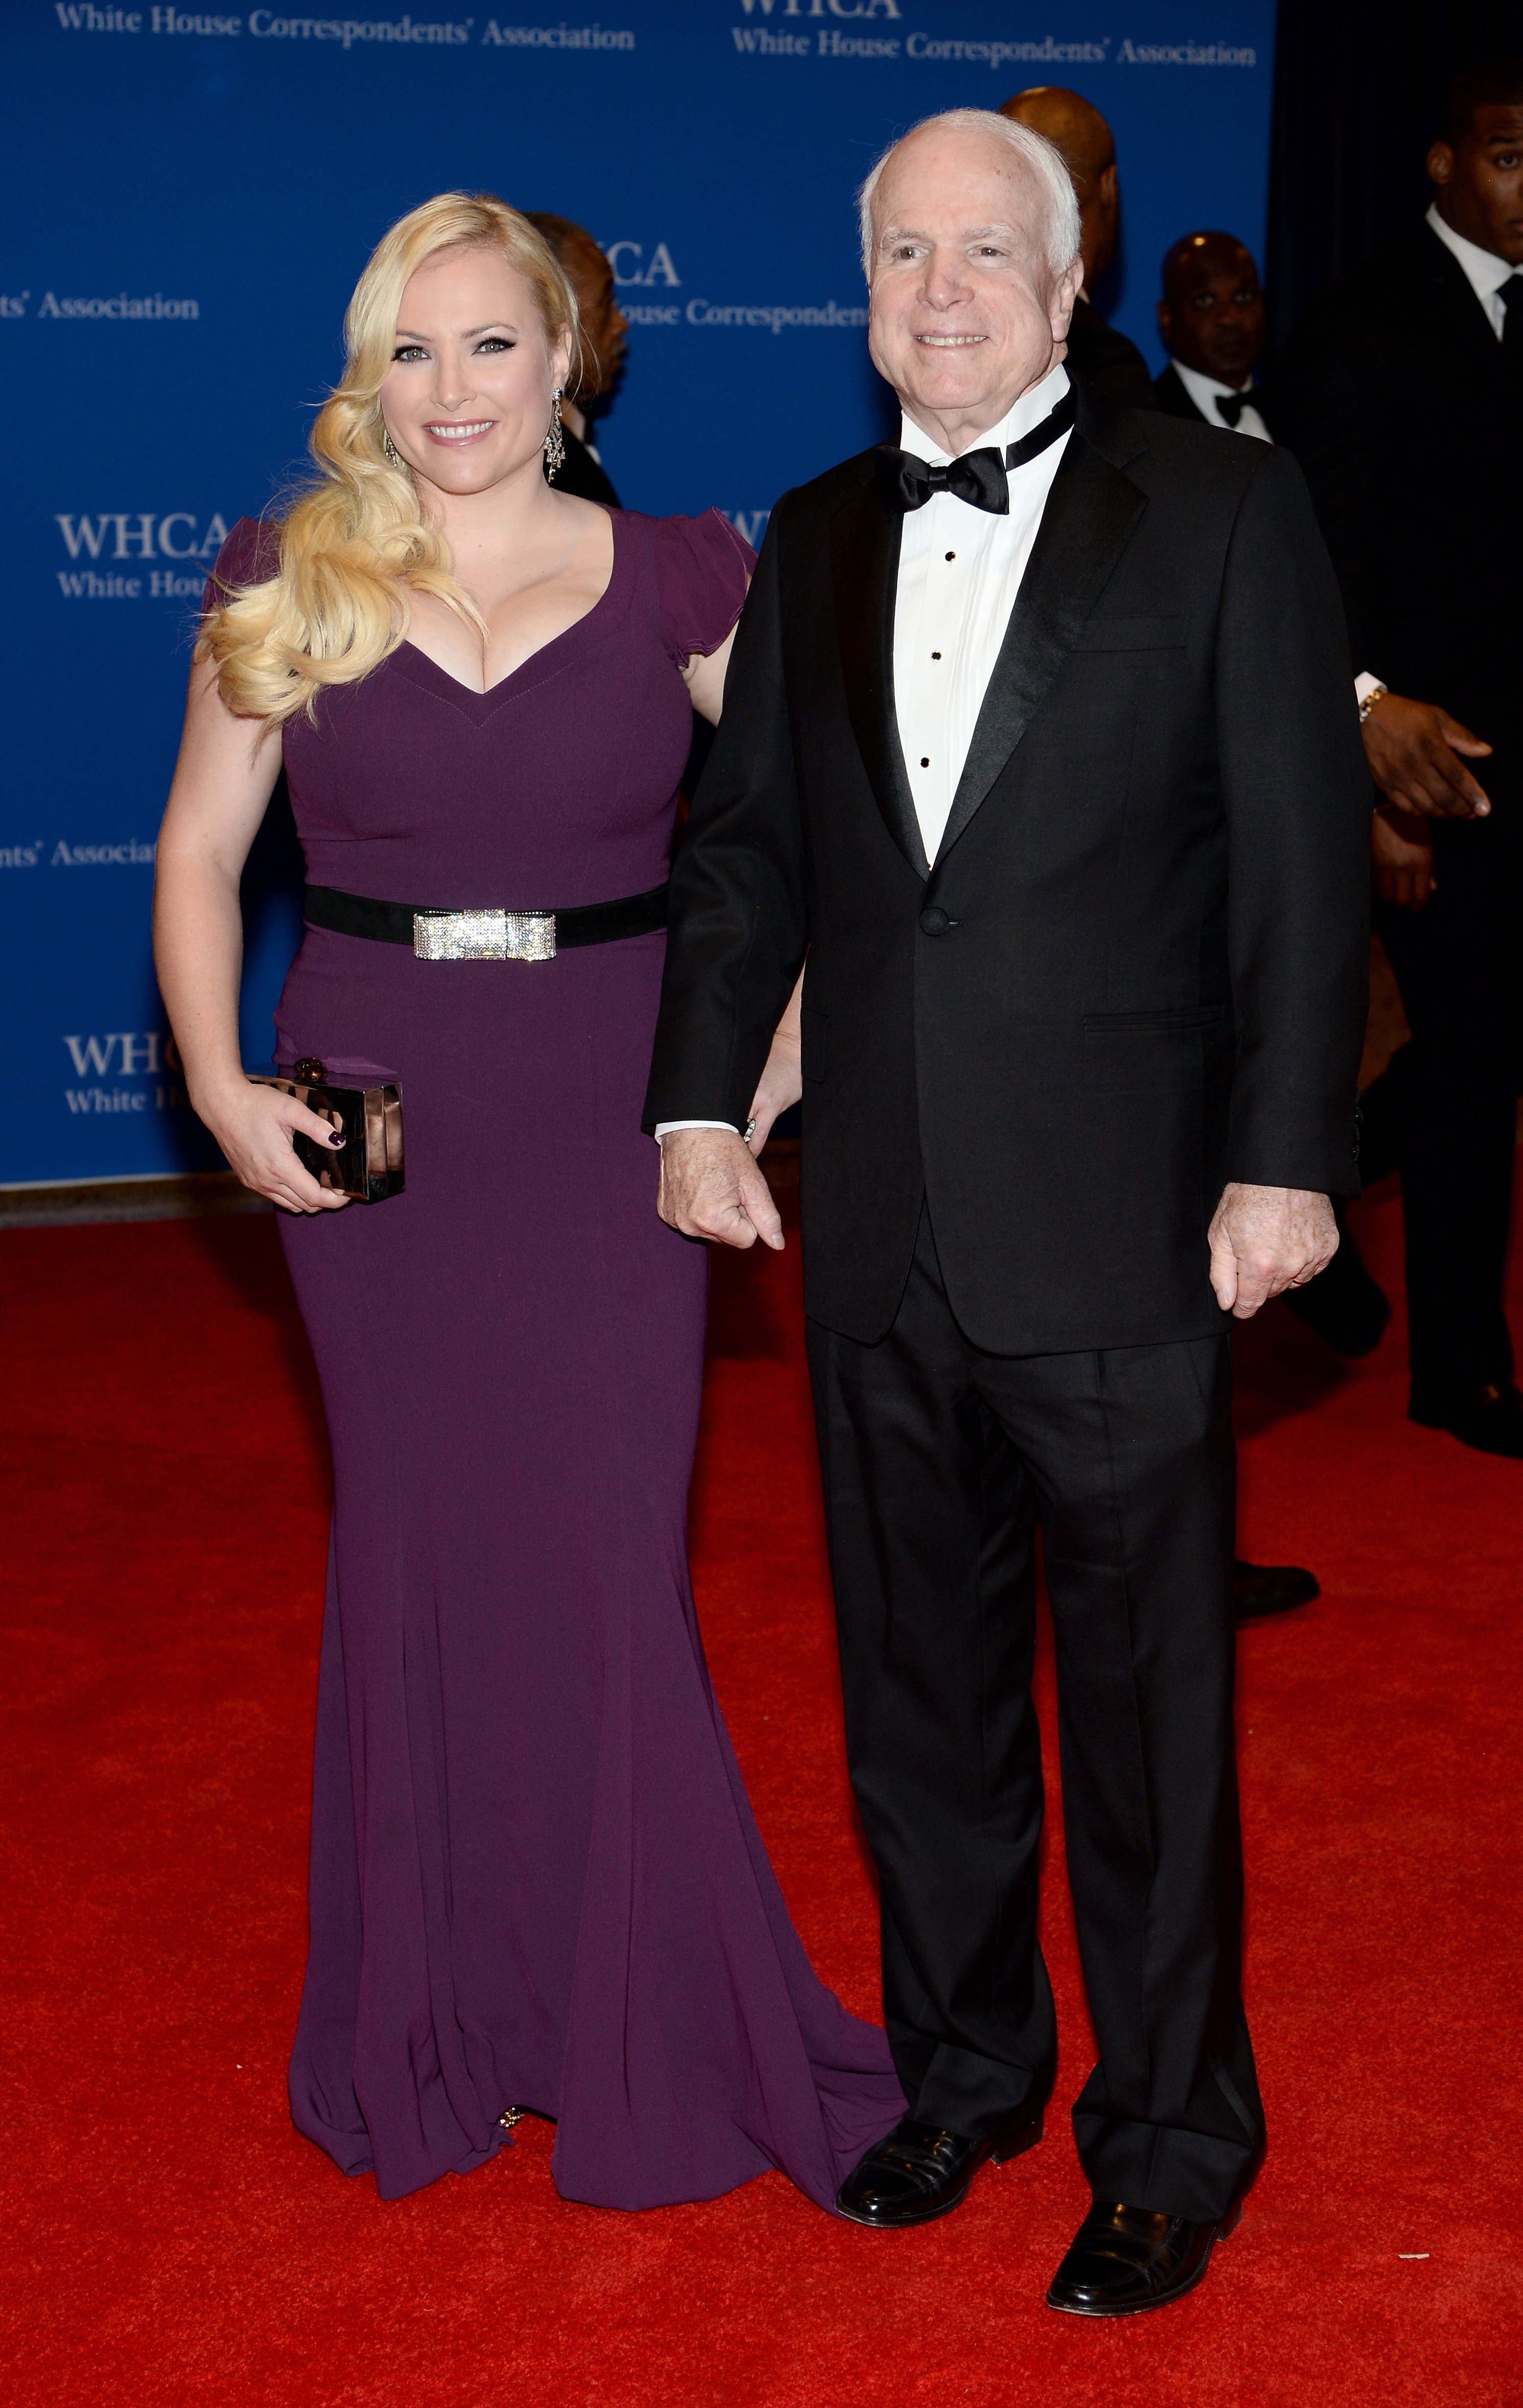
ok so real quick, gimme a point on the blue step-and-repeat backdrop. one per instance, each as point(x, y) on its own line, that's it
point(190, 191)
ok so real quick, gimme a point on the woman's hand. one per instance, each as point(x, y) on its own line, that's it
point(779, 1086)
point(254, 1126)
point(781, 1082)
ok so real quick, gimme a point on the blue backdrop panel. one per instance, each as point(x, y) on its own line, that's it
point(192, 192)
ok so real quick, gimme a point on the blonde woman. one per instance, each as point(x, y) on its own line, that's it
point(536, 1879)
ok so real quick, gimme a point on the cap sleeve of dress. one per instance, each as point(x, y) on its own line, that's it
point(249, 555)
point(703, 568)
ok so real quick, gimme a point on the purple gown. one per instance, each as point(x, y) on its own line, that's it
point(536, 1879)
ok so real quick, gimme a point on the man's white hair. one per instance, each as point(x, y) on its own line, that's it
point(1045, 162)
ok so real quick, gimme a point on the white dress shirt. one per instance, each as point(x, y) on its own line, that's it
point(959, 570)
point(1203, 392)
point(1486, 272)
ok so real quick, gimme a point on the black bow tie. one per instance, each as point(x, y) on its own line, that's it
point(980, 478)
point(1231, 406)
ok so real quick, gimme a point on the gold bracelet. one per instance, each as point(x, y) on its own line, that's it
point(1376, 694)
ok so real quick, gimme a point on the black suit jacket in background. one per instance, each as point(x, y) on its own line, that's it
point(1138, 966)
point(1397, 398)
point(1107, 359)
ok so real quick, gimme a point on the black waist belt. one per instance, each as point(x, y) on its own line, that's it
point(493, 936)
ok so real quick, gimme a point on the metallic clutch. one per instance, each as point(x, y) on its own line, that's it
point(369, 1163)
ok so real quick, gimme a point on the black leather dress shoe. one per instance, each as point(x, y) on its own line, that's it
point(1126, 2259)
point(1491, 1420)
point(921, 2172)
point(1261, 1590)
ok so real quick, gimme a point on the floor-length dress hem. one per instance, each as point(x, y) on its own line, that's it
point(536, 1879)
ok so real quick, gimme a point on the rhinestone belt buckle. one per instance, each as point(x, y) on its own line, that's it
point(484, 936)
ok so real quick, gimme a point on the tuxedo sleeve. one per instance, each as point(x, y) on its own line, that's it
point(737, 927)
point(1297, 797)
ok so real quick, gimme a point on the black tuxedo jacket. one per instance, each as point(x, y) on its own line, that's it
point(1138, 965)
point(1397, 398)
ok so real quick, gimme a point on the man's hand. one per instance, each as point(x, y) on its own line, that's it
point(1401, 851)
point(710, 1187)
point(1413, 749)
point(1264, 1239)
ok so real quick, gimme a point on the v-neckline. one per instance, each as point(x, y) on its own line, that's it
point(488, 698)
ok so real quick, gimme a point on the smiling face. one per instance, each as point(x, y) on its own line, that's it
point(1480, 180)
point(1212, 314)
point(468, 395)
point(966, 314)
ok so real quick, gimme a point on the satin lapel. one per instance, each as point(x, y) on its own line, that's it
point(1089, 518)
point(864, 573)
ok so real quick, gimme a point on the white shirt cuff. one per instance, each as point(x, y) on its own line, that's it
point(1365, 685)
point(664, 1128)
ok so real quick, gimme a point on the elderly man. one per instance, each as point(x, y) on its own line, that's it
point(1040, 741)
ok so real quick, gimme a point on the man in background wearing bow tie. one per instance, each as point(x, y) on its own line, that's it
point(1040, 741)
point(1212, 322)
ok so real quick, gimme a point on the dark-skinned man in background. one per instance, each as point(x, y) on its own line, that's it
point(1102, 354)
point(604, 327)
point(1212, 322)
point(1402, 395)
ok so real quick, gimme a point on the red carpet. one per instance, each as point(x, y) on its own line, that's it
point(170, 2239)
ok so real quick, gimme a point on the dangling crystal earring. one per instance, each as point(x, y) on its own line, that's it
point(391, 453)
point(555, 441)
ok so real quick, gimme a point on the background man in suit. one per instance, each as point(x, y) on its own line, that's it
point(604, 327)
point(1039, 740)
point(1102, 354)
point(1212, 322)
point(1402, 394)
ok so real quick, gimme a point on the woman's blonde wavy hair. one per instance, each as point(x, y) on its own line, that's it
point(352, 545)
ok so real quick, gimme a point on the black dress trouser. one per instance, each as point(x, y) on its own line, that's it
point(1447, 1109)
point(938, 1462)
